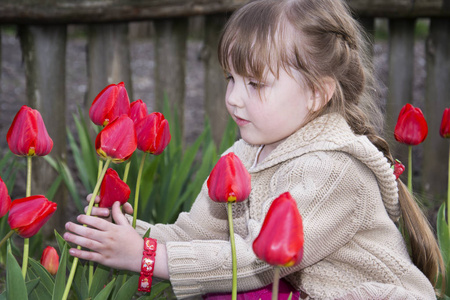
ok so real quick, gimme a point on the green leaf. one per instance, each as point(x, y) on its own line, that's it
point(104, 293)
point(100, 279)
point(80, 282)
point(60, 280)
point(128, 289)
point(31, 285)
point(15, 284)
point(444, 244)
point(47, 281)
point(157, 289)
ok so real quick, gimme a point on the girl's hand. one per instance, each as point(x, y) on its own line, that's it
point(115, 245)
point(104, 212)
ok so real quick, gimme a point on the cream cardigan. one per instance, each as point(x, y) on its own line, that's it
point(347, 195)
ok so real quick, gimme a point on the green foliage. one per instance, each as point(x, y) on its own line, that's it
point(170, 181)
point(443, 234)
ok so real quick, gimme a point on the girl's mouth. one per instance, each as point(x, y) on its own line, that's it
point(240, 122)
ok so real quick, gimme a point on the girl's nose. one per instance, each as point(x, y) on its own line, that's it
point(235, 94)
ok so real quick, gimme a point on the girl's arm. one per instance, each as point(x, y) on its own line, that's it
point(116, 245)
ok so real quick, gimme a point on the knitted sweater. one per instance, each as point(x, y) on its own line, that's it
point(347, 195)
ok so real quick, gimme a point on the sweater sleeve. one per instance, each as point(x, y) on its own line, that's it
point(329, 193)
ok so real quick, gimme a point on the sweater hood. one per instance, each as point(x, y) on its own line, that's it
point(330, 133)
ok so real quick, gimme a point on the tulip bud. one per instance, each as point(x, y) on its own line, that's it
point(117, 140)
point(229, 181)
point(28, 215)
point(27, 135)
point(5, 200)
point(153, 134)
point(411, 127)
point(280, 241)
point(399, 168)
point(50, 260)
point(445, 124)
point(109, 104)
point(113, 189)
point(138, 110)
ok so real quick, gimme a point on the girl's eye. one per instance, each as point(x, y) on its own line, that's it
point(229, 77)
point(256, 85)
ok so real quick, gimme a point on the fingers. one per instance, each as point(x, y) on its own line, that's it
point(117, 214)
point(89, 197)
point(98, 211)
point(127, 208)
point(87, 255)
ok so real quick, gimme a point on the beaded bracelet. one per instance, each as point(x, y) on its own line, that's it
point(147, 266)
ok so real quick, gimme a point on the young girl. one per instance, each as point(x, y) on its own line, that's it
point(300, 90)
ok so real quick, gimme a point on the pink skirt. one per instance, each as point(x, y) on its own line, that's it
point(265, 293)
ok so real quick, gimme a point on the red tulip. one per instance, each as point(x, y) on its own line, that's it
point(50, 260)
point(280, 241)
point(113, 189)
point(117, 140)
point(109, 104)
point(28, 135)
point(445, 124)
point(138, 110)
point(229, 181)
point(399, 168)
point(5, 200)
point(411, 127)
point(153, 133)
point(28, 215)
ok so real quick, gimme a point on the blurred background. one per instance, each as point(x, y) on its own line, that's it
point(56, 56)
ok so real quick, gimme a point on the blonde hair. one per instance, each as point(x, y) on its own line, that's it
point(321, 40)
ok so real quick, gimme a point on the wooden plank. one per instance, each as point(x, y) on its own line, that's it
point(215, 84)
point(86, 11)
point(108, 59)
point(170, 65)
point(435, 156)
point(44, 53)
point(400, 85)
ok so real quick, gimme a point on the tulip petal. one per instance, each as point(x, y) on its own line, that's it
point(44, 143)
point(153, 133)
point(411, 127)
point(444, 130)
point(280, 241)
point(5, 199)
point(138, 110)
point(229, 181)
point(117, 140)
point(113, 189)
point(50, 260)
point(28, 215)
point(109, 104)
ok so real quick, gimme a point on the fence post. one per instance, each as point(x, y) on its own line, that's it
point(108, 59)
point(214, 83)
point(170, 65)
point(400, 85)
point(434, 179)
point(44, 53)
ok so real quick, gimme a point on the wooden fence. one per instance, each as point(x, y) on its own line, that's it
point(43, 36)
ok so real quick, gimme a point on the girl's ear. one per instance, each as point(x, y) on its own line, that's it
point(319, 98)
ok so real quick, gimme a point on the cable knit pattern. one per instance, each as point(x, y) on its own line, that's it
point(347, 195)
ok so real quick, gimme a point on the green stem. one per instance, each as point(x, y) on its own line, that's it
point(26, 241)
point(233, 251)
point(138, 185)
point(410, 169)
point(88, 213)
point(7, 236)
point(276, 281)
point(91, 263)
point(127, 170)
point(448, 195)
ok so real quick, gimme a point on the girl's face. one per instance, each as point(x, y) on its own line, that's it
point(269, 115)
